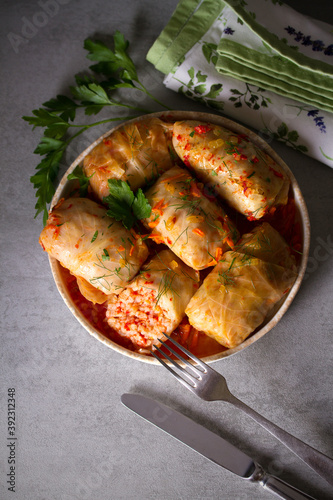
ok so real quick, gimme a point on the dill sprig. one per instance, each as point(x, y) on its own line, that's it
point(165, 283)
point(168, 276)
point(225, 277)
point(91, 94)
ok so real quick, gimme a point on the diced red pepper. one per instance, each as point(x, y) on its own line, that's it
point(186, 160)
point(276, 173)
point(202, 129)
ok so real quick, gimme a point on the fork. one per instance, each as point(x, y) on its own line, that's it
point(210, 385)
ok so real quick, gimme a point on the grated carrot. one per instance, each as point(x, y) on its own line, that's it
point(195, 190)
point(229, 241)
point(198, 232)
point(78, 243)
point(218, 254)
point(211, 263)
point(158, 208)
point(157, 238)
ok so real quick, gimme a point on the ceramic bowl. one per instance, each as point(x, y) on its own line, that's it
point(64, 189)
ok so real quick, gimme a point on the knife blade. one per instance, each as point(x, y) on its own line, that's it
point(209, 444)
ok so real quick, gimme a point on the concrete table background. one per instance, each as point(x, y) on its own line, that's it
point(74, 438)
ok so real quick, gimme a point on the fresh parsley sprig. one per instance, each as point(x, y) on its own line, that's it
point(79, 175)
point(116, 65)
point(58, 115)
point(124, 205)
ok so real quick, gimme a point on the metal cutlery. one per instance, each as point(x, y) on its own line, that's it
point(209, 444)
point(210, 385)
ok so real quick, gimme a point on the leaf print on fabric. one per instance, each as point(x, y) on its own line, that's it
point(250, 97)
point(207, 99)
point(214, 91)
point(288, 137)
point(325, 156)
point(197, 81)
point(196, 89)
point(209, 50)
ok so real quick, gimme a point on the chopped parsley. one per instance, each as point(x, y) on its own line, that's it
point(124, 205)
point(105, 255)
point(94, 237)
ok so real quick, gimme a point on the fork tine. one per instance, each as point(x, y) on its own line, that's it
point(172, 371)
point(196, 372)
point(185, 351)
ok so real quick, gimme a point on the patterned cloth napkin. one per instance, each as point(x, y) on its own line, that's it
point(258, 62)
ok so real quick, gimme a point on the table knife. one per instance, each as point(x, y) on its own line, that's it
point(209, 444)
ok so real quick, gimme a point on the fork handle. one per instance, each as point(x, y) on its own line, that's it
point(319, 462)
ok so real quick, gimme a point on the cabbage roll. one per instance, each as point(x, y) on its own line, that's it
point(241, 173)
point(196, 229)
point(137, 153)
point(94, 247)
point(154, 302)
point(241, 291)
point(266, 243)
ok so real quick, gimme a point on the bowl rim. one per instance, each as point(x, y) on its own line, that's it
point(175, 115)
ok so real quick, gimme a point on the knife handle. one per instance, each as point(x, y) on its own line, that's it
point(282, 489)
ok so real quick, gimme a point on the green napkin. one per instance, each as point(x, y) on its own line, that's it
point(188, 52)
point(270, 45)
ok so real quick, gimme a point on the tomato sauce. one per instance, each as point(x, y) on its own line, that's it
point(284, 219)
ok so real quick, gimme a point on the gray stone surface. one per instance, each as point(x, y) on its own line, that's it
point(75, 440)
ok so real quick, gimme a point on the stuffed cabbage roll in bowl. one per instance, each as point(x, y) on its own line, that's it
point(136, 152)
point(215, 274)
point(241, 291)
point(100, 251)
point(243, 174)
point(154, 302)
point(192, 226)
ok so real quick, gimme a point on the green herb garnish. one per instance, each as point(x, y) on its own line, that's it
point(105, 255)
point(124, 205)
point(78, 174)
point(225, 277)
point(58, 115)
point(94, 237)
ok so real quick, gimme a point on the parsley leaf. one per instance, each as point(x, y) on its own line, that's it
point(124, 205)
point(43, 180)
point(94, 237)
point(79, 175)
point(110, 62)
point(105, 255)
point(48, 144)
point(63, 104)
point(91, 93)
point(57, 115)
point(141, 206)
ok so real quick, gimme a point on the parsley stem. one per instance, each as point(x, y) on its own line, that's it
point(143, 89)
point(85, 127)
